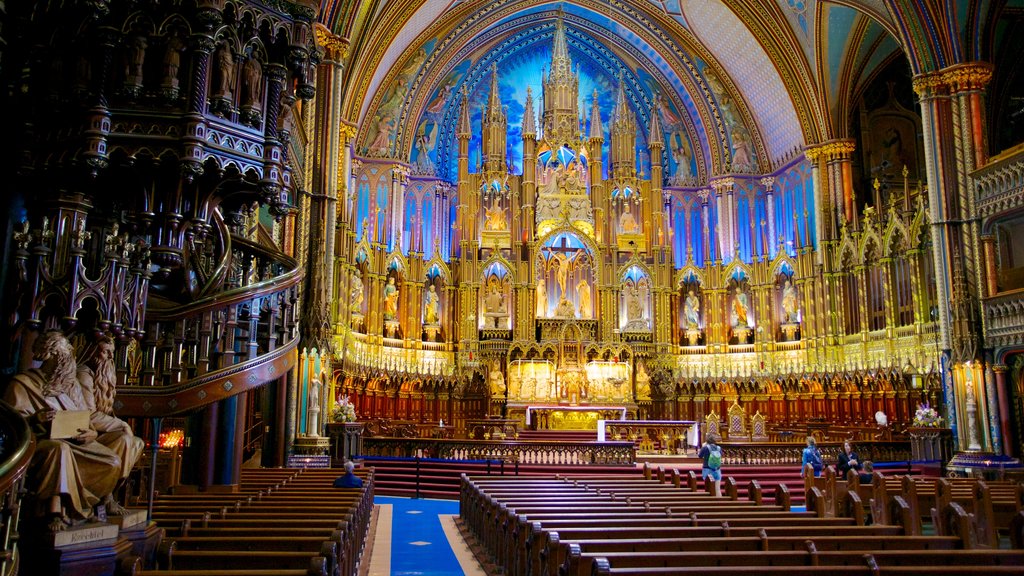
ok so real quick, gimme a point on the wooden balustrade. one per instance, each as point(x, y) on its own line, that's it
point(198, 353)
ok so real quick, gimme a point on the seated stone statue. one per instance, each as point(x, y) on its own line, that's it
point(98, 377)
point(68, 476)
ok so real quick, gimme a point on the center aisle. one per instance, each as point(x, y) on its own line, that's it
point(419, 538)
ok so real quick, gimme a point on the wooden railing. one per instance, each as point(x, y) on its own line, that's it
point(650, 436)
point(523, 452)
point(222, 344)
point(17, 445)
point(769, 453)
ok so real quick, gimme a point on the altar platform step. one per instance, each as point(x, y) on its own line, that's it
point(432, 478)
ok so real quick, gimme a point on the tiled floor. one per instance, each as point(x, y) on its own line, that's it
point(419, 538)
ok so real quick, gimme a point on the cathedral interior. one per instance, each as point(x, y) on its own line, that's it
point(545, 214)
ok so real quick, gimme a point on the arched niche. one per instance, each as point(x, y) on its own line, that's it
point(566, 277)
point(635, 300)
point(495, 312)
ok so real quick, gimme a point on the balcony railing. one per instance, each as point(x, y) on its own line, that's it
point(229, 341)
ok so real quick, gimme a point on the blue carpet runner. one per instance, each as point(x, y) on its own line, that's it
point(418, 543)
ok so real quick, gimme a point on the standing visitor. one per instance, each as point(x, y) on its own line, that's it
point(711, 454)
point(812, 457)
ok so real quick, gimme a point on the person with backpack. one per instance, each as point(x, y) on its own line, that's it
point(812, 457)
point(711, 454)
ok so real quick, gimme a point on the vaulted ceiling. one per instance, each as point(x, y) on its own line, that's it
point(784, 73)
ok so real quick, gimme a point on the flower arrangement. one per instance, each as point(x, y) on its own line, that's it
point(343, 410)
point(927, 417)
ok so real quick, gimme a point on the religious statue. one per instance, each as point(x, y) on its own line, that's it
point(390, 300)
point(691, 311)
point(355, 298)
point(97, 375)
point(431, 313)
point(790, 311)
point(496, 381)
point(313, 408)
point(741, 308)
point(542, 298)
point(634, 304)
point(70, 476)
point(561, 273)
point(495, 216)
point(551, 177)
point(172, 61)
point(643, 383)
point(494, 302)
point(252, 77)
point(627, 223)
point(225, 58)
point(135, 56)
point(972, 415)
point(583, 294)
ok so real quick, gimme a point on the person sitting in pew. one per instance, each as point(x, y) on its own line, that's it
point(349, 479)
point(867, 472)
point(848, 460)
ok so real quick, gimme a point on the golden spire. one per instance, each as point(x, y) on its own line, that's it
point(596, 129)
point(529, 121)
point(561, 114)
point(655, 137)
point(464, 124)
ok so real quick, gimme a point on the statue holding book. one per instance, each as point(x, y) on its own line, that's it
point(78, 459)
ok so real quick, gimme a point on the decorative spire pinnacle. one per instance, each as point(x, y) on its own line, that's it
point(596, 129)
point(464, 124)
point(655, 137)
point(494, 107)
point(560, 47)
point(621, 114)
point(529, 120)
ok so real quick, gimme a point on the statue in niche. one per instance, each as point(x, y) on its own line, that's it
point(495, 216)
point(627, 223)
point(972, 415)
point(634, 303)
point(97, 375)
point(313, 408)
point(252, 77)
point(691, 311)
point(542, 298)
point(70, 476)
point(790, 307)
point(355, 298)
point(741, 308)
point(225, 76)
point(583, 294)
point(390, 300)
point(135, 58)
point(494, 302)
point(643, 383)
point(284, 117)
point(496, 381)
point(432, 313)
point(172, 61)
